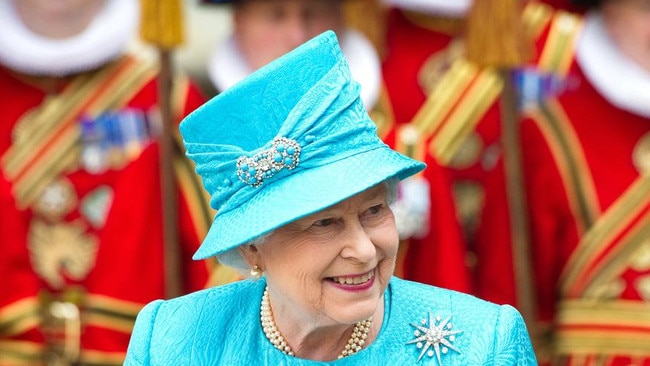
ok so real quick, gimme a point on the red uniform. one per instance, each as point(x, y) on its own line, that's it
point(585, 166)
point(413, 42)
point(81, 213)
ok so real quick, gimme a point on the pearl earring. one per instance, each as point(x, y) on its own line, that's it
point(256, 271)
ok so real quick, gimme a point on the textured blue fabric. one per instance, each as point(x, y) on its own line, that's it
point(221, 326)
point(307, 96)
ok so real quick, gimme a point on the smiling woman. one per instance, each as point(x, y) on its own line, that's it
point(303, 185)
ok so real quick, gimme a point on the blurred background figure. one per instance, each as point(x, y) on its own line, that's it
point(585, 169)
point(81, 214)
point(586, 206)
point(421, 41)
point(416, 33)
point(447, 106)
point(262, 30)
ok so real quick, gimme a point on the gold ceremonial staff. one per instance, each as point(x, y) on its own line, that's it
point(496, 39)
point(162, 26)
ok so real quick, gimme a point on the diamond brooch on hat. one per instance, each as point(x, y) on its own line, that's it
point(284, 153)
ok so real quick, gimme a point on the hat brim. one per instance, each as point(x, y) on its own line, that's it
point(302, 194)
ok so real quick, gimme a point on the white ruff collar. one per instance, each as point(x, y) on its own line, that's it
point(227, 66)
point(452, 8)
point(621, 81)
point(105, 38)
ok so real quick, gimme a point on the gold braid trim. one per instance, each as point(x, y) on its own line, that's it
point(100, 358)
point(612, 328)
point(52, 144)
point(567, 152)
point(536, 17)
point(21, 353)
point(110, 313)
point(557, 54)
point(443, 97)
point(604, 251)
point(483, 92)
point(20, 316)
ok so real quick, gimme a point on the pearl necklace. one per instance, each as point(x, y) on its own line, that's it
point(354, 345)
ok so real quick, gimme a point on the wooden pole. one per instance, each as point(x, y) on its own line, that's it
point(521, 251)
point(496, 38)
point(173, 275)
point(161, 25)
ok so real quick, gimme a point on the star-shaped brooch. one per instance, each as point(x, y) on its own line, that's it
point(436, 334)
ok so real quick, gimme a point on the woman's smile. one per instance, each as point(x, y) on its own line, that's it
point(354, 282)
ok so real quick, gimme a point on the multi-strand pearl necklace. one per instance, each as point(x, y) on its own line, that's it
point(354, 344)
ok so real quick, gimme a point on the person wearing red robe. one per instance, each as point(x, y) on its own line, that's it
point(585, 169)
point(81, 211)
point(416, 33)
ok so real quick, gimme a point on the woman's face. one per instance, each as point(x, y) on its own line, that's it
point(58, 18)
point(267, 29)
point(332, 267)
point(628, 23)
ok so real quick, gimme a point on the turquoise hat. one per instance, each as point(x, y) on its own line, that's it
point(291, 139)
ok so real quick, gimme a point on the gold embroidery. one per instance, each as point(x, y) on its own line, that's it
point(609, 290)
point(62, 330)
point(437, 65)
point(62, 326)
point(468, 153)
point(57, 249)
point(25, 127)
point(56, 200)
point(641, 154)
point(643, 287)
point(469, 197)
point(640, 260)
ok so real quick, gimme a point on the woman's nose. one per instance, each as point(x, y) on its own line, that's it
point(358, 245)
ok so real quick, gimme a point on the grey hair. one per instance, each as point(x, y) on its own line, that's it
point(234, 258)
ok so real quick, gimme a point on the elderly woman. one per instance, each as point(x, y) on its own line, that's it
point(303, 187)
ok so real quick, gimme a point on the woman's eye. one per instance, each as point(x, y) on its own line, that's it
point(374, 210)
point(324, 222)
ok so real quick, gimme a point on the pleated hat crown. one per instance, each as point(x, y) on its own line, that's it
point(291, 139)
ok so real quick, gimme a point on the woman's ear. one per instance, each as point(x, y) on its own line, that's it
point(250, 254)
point(252, 257)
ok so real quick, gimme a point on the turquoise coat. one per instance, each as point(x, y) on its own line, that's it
point(221, 326)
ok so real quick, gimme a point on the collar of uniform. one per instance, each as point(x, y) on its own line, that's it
point(107, 37)
point(227, 66)
point(448, 8)
point(629, 87)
